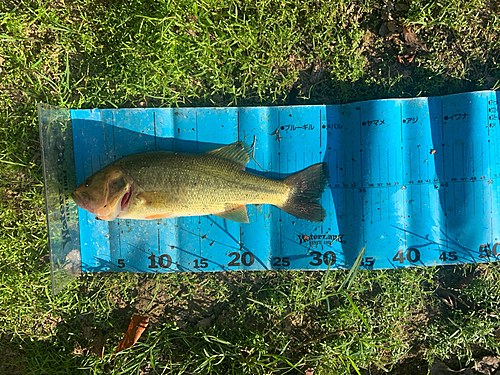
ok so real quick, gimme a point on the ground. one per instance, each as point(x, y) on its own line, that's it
point(86, 54)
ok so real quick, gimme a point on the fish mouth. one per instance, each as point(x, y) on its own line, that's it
point(81, 199)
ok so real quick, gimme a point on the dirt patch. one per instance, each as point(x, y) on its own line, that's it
point(13, 361)
point(185, 306)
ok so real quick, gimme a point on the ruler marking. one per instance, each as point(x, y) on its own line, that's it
point(119, 242)
point(491, 229)
point(388, 168)
point(154, 128)
point(403, 161)
point(454, 162)
point(158, 241)
point(196, 127)
point(336, 167)
point(401, 119)
point(464, 174)
point(360, 129)
point(240, 240)
point(238, 122)
point(396, 164)
point(404, 234)
point(490, 187)
point(361, 161)
point(320, 131)
point(442, 122)
point(410, 176)
point(278, 129)
point(444, 174)
point(473, 177)
point(379, 169)
point(420, 163)
point(353, 177)
point(113, 129)
point(488, 108)
point(421, 203)
point(279, 165)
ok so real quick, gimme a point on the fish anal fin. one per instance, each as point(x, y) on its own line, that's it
point(158, 216)
point(237, 152)
point(235, 213)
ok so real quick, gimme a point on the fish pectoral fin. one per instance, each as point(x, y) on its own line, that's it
point(238, 152)
point(235, 213)
point(153, 198)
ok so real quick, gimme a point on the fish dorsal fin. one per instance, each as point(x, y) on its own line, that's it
point(236, 213)
point(238, 152)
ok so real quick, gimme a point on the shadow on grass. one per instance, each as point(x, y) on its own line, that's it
point(184, 316)
point(399, 82)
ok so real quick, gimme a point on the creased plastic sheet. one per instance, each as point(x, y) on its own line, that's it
point(415, 180)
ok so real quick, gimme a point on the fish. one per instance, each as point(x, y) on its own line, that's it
point(167, 184)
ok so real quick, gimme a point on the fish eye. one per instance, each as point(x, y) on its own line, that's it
point(88, 182)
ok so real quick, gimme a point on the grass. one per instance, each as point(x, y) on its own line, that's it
point(84, 54)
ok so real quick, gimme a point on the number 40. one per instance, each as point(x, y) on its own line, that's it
point(412, 255)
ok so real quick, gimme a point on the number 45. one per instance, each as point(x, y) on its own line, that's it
point(448, 256)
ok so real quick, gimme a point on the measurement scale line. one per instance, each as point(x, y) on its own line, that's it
point(278, 129)
point(419, 163)
point(379, 167)
point(158, 241)
point(442, 122)
point(491, 230)
point(396, 164)
point(490, 187)
point(360, 129)
point(320, 130)
point(401, 120)
point(388, 169)
point(240, 241)
point(487, 115)
point(410, 171)
point(463, 162)
point(362, 168)
point(402, 166)
point(154, 128)
point(113, 128)
point(119, 242)
point(196, 127)
point(353, 177)
point(407, 186)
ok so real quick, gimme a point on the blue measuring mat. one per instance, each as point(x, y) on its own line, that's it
point(413, 180)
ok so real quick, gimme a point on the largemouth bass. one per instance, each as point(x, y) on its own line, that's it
point(160, 185)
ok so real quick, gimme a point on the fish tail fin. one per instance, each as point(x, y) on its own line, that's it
point(307, 186)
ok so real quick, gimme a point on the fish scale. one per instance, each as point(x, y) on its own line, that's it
point(170, 184)
point(204, 182)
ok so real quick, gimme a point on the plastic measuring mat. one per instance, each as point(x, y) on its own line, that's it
point(415, 180)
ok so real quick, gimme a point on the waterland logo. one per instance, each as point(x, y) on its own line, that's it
point(320, 239)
